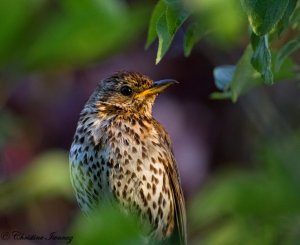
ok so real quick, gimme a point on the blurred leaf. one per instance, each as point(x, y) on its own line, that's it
point(236, 232)
point(262, 58)
point(83, 31)
point(192, 36)
point(295, 18)
point(248, 200)
point(286, 51)
point(226, 235)
point(224, 27)
point(47, 176)
point(292, 235)
point(285, 20)
point(223, 76)
point(244, 77)
point(263, 15)
point(107, 226)
point(159, 10)
point(72, 33)
point(14, 18)
point(287, 70)
point(244, 194)
point(281, 159)
point(221, 95)
point(261, 206)
point(217, 199)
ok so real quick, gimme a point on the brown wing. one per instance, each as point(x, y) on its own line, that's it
point(180, 212)
point(174, 178)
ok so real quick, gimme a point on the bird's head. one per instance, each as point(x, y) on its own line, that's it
point(129, 92)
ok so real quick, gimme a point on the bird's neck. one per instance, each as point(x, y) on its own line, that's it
point(106, 109)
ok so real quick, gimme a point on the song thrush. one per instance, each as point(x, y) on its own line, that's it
point(120, 152)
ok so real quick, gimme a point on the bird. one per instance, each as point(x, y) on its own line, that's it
point(121, 153)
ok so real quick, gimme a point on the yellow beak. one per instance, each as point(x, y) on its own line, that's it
point(156, 88)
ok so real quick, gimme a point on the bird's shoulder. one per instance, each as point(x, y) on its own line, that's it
point(163, 134)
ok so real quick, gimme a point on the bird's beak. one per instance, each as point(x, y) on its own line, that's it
point(156, 88)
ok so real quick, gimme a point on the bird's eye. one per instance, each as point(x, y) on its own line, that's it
point(125, 90)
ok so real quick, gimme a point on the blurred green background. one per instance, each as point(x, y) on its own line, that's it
point(239, 163)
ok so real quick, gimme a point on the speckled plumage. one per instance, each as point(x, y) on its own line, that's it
point(120, 152)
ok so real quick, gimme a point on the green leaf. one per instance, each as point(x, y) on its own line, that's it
point(244, 77)
point(170, 1)
point(285, 20)
point(164, 38)
point(192, 36)
point(223, 76)
point(238, 82)
point(220, 95)
point(224, 20)
point(261, 58)
point(15, 16)
point(159, 9)
point(287, 70)
point(263, 15)
point(167, 26)
point(107, 225)
point(286, 51)
point(176, 15)
point(86, 31)
point(295, 19)
point(246, 200)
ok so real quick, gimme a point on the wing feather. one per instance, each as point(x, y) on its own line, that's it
point(175, 183)
point(180, 212)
